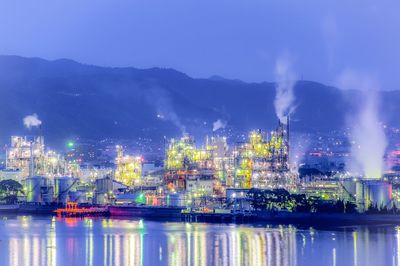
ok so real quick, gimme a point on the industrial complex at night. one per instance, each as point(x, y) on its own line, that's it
point(199, 133)
point(215, 177)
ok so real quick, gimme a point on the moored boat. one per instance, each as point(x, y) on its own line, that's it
point(145, 211)
point(9, 208)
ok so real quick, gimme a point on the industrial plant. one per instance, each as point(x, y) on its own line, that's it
point(215, 177)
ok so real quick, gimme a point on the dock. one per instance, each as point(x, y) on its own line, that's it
point(227, 217)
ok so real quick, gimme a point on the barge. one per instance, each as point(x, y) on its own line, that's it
point(145, 211)
point(28, 209)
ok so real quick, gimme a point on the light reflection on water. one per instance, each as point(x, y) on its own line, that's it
point(48, 241)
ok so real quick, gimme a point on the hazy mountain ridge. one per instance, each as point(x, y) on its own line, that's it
point(74, 99)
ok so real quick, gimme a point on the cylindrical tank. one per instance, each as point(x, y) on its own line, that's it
point(104, 185)
point(62, 186)
point(360, 194)
point(33, 187)
point(350, 186)
point(47, 194)
point(176, 200)
point(100, 198)
point(374, 193)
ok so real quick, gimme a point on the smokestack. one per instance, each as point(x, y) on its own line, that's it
point(31, 160)
point(287, 140)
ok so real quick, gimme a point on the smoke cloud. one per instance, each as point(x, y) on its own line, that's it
point(367, 138)
point(300, 146)
point(32, 121)
point(284, 98)
point(160, 99)
point(219, 124)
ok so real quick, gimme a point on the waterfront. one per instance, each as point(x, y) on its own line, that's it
point(26, 240)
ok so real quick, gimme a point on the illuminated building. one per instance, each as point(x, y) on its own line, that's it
point(222, 163)
point(264, 160)
point(28, 155)
point(21, 151)
point(129, 168)
point(185, 162)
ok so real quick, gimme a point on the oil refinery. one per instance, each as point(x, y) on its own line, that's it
point(217, 176)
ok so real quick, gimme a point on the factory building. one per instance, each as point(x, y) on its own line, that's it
point(22, 151)
point(222, 164)
point(46, 176)
point(29, 157)
point(129, 168)
point(263, 162)
point(184, 162)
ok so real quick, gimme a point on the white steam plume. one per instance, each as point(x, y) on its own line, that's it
point(367, 133)
point(300, 145)
point(219, 124)
point(32, 121)
point(284, 98)
point(161, 100)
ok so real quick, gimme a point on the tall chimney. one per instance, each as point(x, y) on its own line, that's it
point(31, 159)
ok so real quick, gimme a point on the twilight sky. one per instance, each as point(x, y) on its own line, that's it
point(233, 38)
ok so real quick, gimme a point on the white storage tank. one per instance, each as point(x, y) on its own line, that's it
point(360, 194)
point(104, 185)
point(33, 186)
point(350, 187)
point(47, 194)
point(176, 200)
point(374, 193)
point(62, 186)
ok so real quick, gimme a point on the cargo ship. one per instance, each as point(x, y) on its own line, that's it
point(145, 211)
point(26, 208)
point(8, 208)
point(37, 209)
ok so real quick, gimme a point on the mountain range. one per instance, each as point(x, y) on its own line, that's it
point(73, 99)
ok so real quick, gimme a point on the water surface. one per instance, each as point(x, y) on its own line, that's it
point(26, 240)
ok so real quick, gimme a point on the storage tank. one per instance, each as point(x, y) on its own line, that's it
point(62, 186)
point(33, 187)
point(176, 200)
point(104, 185)
point(360, 194)
point(47, 194)
point(350, 187)
point(375, 193)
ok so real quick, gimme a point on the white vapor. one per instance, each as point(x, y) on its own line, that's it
point(284, 98)
point(299, 147)
point(367, 133)
point(161, 100)
point(32, 121)
point(219, 124)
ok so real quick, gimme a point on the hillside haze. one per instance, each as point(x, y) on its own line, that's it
point(74, 99)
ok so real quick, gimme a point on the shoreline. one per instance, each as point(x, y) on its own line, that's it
point(239, 218)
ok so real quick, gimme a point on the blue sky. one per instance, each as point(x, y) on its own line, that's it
point(234, 39)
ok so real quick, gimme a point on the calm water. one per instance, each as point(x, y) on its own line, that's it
point(28, 240)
